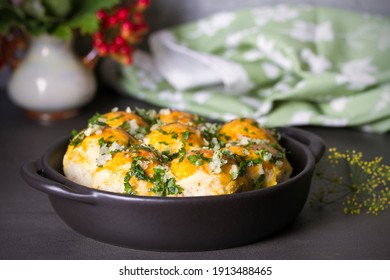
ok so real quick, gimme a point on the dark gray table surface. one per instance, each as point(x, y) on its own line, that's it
point(30, 229)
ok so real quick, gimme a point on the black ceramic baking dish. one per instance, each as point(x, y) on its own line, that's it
point(179, 224)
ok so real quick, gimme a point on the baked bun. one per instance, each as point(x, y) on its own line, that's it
point(174, 153)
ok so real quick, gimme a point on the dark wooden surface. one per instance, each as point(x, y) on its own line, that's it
point(30, 229)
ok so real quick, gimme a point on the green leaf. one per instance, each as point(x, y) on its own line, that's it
point(87, 23)
point(63, 32)
point(58, 8)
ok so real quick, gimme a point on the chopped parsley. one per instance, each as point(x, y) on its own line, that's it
point(224, 137)
point(209, 130)
point(242, 168)
point(97, 119)
point(101, 142)
point(185, 135)
point(137, 171)
point(163, 132)
point(116, 118)
point(198, 159)
point(243, 162)
point(134, 129)
point(182, 153)
point(259, 182)
point(78, 137)
point(175, 136)
point(148, 116)
point(166, 156)
point(128, 188)
point(163, 184)
point(107, 149)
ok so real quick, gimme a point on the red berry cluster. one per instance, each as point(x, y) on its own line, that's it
point(120, 29)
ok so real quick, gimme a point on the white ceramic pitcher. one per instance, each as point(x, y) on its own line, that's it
point(51, 82)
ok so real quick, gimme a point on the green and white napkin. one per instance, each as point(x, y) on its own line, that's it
point(282, 65)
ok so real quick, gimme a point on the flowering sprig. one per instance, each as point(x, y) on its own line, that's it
point(365, 187)
point(120, 29)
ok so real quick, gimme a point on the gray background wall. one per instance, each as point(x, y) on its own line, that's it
point(166, 13)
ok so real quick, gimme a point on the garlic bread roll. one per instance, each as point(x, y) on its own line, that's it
point(86, 152)
point(174, 138)
point(208, 172)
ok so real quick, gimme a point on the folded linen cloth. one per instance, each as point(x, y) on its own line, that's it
point(282, 65)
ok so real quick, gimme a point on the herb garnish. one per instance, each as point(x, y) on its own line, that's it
point(137, 170)
point(175, 136)
point(148, 116)
point(185, 135)
point(134, 129)
point(101, 142)
point(78, 137)
point(128, 187)
point(198, 159)
point(209, 131)
point(259, 182)
point(97, 119)
point(163, 184)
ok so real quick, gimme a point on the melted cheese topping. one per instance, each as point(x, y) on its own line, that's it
point(167, 116)
point(171, 138)
point(244, 129)
point(117, 118)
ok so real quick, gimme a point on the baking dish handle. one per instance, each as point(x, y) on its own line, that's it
point(315, 143)
point(32, 174)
